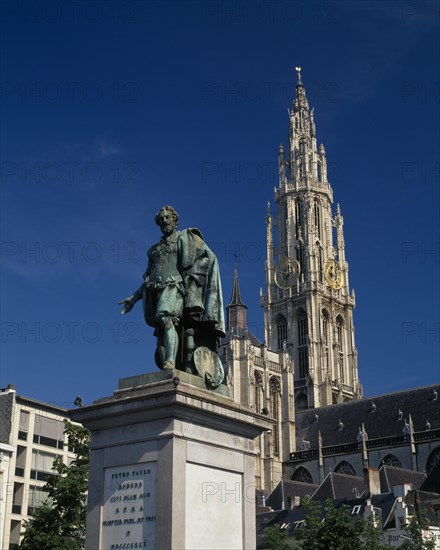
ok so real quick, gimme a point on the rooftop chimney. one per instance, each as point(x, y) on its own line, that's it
point(372, 481)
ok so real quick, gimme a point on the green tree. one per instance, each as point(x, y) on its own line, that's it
point(337, 531)
point(418, 523)
point(276, 538)
point(59, 524)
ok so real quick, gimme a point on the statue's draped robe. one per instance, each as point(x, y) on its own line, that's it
point(201, 286)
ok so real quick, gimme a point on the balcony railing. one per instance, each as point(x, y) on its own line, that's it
point(345, 448)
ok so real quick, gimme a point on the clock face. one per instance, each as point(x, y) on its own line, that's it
point(286, 273)
point(333, 274)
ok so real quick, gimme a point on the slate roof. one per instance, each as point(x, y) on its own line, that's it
point(291, 489)
point(432, 482)
point(236, 299)
point(339, 489)
point(428, 502)
point(391, 476)
point(382, 420)
point(386, 503)
point(243, 334)
point(337, 486)
point(281, 518)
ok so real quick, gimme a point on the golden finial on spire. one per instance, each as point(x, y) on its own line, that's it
point(298, 72)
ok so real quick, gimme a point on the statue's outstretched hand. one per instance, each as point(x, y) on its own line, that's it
point(128, 305)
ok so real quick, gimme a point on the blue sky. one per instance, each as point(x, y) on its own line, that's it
point(112, 109)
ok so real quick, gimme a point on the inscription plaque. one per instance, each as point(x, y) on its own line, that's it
point(129, 510)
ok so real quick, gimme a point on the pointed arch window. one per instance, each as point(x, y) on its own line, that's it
point(281, 331)
point(303, 475)
point(300, 256)
point(303, 333)
point(275, 396)
point(258, 396)
point(433, 460)
point(298, 217)
point(346, 468)
point(325, 338)
point(317, 217)
point(340, 344)
point(391, 460)
point(320, 262)
point(284, 228)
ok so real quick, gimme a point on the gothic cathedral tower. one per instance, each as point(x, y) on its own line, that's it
point(308, 306)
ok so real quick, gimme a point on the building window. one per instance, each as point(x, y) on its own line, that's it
point(14, 539)
point(18, 497)
point(275, 394)
point(258, 391)
point(401, 523)
point(20, 463)
point(298, 217)
point(37, 496)
point(391, 460)
point(303, 475)
point(24, 421)
point(42, 465)
point(49, 431)
point(303, 358)
point(281, 331)
point(301, 402)
point(320, 266)
point(346, 468)
point(300, 257)
point(317, 218)
point(340, 342)
point(325, 339)
point(48, 441)
point(284, 223)
point(302, 328)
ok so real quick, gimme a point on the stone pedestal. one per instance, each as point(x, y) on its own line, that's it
point(172, 466)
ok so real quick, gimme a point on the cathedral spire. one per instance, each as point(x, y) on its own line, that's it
point(300, 102)
point(236, 295)
point(236, 315)
point(317, 326)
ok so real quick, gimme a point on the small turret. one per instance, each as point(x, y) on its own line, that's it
point(236, 314)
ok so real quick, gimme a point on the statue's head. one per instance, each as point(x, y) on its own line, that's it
point(167, 219)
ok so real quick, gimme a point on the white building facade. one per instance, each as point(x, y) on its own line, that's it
point(31, 438)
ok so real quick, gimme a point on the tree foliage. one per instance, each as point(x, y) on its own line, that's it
point(338, 530)
point(276, 538)
point(59, 524)
point(417, 525)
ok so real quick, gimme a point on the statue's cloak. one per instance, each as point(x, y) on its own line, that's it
point(201, 285)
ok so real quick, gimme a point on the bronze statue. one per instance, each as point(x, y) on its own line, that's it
point(182, 299)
